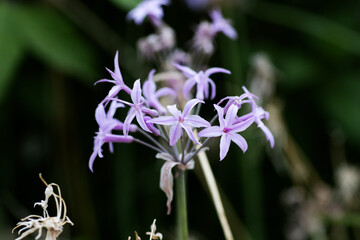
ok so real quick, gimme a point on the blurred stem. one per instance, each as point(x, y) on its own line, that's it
point(182, 225)
point(214, 191)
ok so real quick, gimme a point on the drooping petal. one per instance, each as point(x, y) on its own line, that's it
point(268, 134)
point(189, 84)
point(165, 91)
point(224, 145)
point(239, 140)
point(151, 126)
point(213, 89)
point(188, 72)
point(91, 160)
point(167, 182)
point(175, 134)
point(118, 138)
point(214, 131)
point(213, 70)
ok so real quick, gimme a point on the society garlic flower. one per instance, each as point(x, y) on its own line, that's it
point(53, 225)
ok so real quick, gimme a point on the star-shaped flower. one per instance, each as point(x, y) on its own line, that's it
point(148, 8)
point(182, 120)
point(152, 96)
point(117, 80)
point(138, 109)
point(220, 24)
point(227, 130)
point(106, 124)
point(201, 79)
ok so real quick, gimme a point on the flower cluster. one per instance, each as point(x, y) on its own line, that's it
point(168, 119)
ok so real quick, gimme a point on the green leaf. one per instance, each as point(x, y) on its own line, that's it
point(11, 48)
point(126, 5)
point(54, 39)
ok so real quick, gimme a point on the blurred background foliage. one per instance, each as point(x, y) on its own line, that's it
point(52, 52)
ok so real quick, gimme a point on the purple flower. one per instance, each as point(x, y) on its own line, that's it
point(152, 96)
point(150, 8)
point(227, 130)
point(181, 120)
point(137, 109)
point(117, 80)
point(220, 24)
point(106, 124)
point(202, 81)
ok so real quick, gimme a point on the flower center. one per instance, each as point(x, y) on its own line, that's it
point(226, 130)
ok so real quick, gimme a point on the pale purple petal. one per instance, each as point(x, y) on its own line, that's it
point(167, 182)
point(165, 91)
point(196, 121)
point(112, 109)
point(241, 126)
point(189, 84)
point(174, 111)
point(224, 145)
point(118, 138)
point(239, 140)
point(214, 131)
point(188, 72)
point(140, 119)
point(164, 120)
point(189, 105)
point(190, 133)
point(130, 116)
point(120, 126)
point(136, 92)
point(220, 112)
point(213, 70)
point(151, 126)
point(100, 115)
point(231, 114)
point(213, 89)
point(268, 134)
point(175, 134)
point(91, 160)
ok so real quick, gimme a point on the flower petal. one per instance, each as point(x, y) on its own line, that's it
point(188, 72)
point(196, 121)
point(239, 140)
point(174, 134)
point(136, 92)
point(224, 145)
point(189, 105)
point(268, 134)
point(214, 131)
point(164, 120)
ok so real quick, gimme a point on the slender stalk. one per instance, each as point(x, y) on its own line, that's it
point(182, 225)
point(211, 182)
point(148, 145)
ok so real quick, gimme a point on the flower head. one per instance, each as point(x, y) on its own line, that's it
point(182, 120)
point(202, 81)
point(148, 8)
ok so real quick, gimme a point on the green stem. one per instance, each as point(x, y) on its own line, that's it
point(182, 225)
